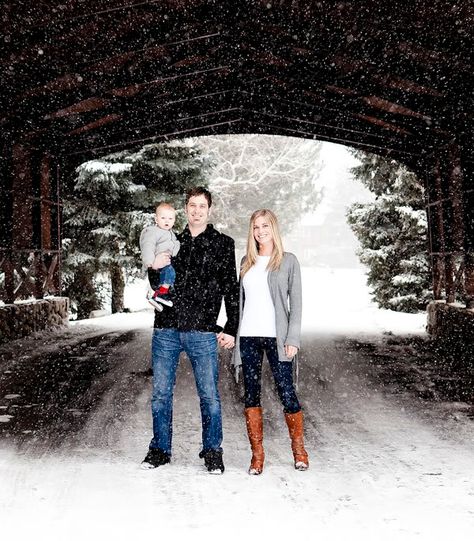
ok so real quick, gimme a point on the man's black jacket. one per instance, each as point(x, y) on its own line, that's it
point(205, 273)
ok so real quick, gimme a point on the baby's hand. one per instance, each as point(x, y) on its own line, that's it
point(161, 260)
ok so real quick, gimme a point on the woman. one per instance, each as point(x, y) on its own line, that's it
point(270, 322)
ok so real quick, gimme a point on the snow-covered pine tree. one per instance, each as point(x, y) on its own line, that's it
point(107, 204)
point(392, 232)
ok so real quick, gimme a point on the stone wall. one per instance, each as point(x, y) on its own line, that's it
point(451, 322)
point(23, 318)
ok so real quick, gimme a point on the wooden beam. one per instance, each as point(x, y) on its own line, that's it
point(316, 130)
point(45, 202)
point(434, 210)
point(342, 115)
point(9, 270)
point(390, 107)
point(197, 130)
point(99, 123)
point(141, 117)
point(84, 106)
point(469, 279)
point(95, 47)
point(43, 109)
point(165, 57)
point(437, 59)
point(22, 192)
point(163, 112)
point(6, 194)
point(455, 183)
point(383, 124)
point(159, 111)
point(422, 120)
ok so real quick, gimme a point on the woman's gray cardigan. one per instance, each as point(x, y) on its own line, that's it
point(285, 291)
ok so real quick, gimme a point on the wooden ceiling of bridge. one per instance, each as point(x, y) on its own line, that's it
point(92, 76)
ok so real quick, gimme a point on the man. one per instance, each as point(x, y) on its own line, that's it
point(205, 274)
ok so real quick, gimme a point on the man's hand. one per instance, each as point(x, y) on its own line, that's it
point(161, 260)
point(225, 340)
point(290, 351)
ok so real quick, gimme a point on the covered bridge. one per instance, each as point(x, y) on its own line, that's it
point(84, 78)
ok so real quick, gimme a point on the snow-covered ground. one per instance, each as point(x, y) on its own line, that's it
point(383, 466)
point(337, 301)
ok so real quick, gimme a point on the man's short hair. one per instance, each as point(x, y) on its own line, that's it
point(199, 190)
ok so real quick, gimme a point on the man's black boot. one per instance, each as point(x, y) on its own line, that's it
point(213, 461)
point(155, 458)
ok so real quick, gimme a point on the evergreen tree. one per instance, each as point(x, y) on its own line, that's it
point(392, 232)
point(107, 205)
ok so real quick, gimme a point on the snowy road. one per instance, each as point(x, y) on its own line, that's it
point(384, 465)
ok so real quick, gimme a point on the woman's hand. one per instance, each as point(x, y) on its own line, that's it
point(225, 340)
point(161, 260)
point(290, 351)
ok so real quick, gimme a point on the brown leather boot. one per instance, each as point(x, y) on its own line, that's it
point(295, 428)
point(254, 418)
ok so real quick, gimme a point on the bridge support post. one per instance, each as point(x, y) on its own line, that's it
point(446, 219)
point(468, 171)
point(436, 229)
point(6, 226)
point(30, 235)
point(454, 223)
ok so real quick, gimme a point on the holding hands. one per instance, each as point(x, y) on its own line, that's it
point(225, 340)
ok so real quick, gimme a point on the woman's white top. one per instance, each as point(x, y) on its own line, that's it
point(258, 318)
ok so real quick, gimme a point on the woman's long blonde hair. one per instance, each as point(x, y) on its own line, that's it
point(252, 244)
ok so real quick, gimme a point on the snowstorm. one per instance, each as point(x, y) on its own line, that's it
point(236, 270)
point(391, 454)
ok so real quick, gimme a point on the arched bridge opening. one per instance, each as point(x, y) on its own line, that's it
point(84, 79)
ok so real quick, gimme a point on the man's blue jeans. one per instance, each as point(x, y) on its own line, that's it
point(201, 348)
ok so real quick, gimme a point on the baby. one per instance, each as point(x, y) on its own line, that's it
point(156, 239)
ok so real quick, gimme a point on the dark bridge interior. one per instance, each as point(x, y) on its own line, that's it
point(83, 78)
